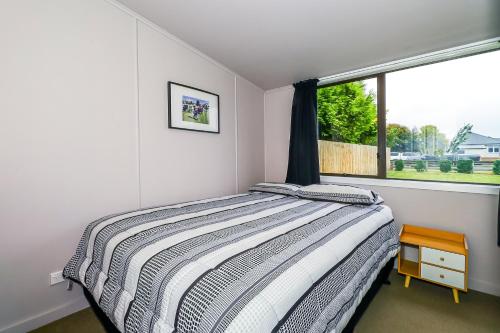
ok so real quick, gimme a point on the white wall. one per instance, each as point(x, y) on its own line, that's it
point(250, 134)
point(176, 164)
point(473, 214)
point(83, 133)
point(277, 117)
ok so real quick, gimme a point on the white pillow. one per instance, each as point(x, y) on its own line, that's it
point(280, 188)
point(339, 193)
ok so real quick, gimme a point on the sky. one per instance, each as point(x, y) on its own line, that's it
point(448, 95)
point(193, 99)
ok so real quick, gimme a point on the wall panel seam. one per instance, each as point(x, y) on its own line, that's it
point(265, 137)
point(167, 34)
point(236, 131)
point(138, 118)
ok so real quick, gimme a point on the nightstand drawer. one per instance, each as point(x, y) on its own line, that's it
point(443, 258)
point(442, 275)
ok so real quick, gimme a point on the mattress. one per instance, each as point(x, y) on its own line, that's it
point(253, 262)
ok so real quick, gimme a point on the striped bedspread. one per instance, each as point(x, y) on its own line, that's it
point(254, 262)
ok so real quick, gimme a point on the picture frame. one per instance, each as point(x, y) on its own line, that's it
point(192, 109)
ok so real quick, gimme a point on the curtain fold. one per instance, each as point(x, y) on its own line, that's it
point(303, 159)
point(498, 221)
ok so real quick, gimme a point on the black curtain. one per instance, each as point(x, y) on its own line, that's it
point(498, 226)
point(303, 159)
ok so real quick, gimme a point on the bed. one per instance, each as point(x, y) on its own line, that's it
point(270, 260)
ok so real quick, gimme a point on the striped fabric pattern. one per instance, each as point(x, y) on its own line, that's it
point(280, 188)
point(254, 262)
point(339, 193)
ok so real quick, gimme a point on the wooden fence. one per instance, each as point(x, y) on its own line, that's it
point(348, 158)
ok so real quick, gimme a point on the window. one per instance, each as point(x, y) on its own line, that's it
point(347, 120)
point(439, 120)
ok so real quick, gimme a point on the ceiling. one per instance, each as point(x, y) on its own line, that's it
point(277, 42)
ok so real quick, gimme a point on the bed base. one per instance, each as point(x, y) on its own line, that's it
point(103, 318)
point(382, 278)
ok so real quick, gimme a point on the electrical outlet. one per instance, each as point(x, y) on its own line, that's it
point(56, 277)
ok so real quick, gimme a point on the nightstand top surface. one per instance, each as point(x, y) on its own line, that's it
point(433, 238)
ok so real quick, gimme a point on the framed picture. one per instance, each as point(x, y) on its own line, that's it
point(192, 109)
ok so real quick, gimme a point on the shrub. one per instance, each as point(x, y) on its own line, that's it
point(465, 166)
point(496, 167)
point(445, 166)
point(399, 165)
point(421, 166)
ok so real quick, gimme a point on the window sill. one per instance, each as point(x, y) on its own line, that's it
point(412, 184)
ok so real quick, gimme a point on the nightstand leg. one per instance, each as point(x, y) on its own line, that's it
point(407, 281)
point(455, 295)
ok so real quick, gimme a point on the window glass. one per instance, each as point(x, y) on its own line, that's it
point(443, 118)
point(442, 123)
point(347, 121)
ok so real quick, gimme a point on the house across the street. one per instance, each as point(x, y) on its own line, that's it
point(485, 146)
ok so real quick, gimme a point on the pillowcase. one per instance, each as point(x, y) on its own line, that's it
point(279, 188)
point(340, 193)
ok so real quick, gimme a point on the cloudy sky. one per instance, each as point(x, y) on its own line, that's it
point(448, 95)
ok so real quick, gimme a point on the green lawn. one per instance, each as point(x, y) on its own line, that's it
point(453, 176)
point(202, 119)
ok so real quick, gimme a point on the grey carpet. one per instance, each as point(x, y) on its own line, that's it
point(421, 308)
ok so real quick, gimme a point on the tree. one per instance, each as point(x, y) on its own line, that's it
point(346, 113)
point(459, 138)
point(415, 140)
point(432, 141)
point(398, 137)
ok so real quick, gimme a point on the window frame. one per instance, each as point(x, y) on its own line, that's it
point(381, 121)
point(381, 137)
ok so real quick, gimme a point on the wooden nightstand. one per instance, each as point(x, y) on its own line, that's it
point(435, 256)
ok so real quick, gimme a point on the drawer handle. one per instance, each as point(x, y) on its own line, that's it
point(441, 276)
point(442, 259)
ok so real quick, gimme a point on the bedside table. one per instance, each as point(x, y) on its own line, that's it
point(435, 256)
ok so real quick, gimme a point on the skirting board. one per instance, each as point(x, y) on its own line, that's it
point(46, 317)
point(477, 285)
point(484, 287)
